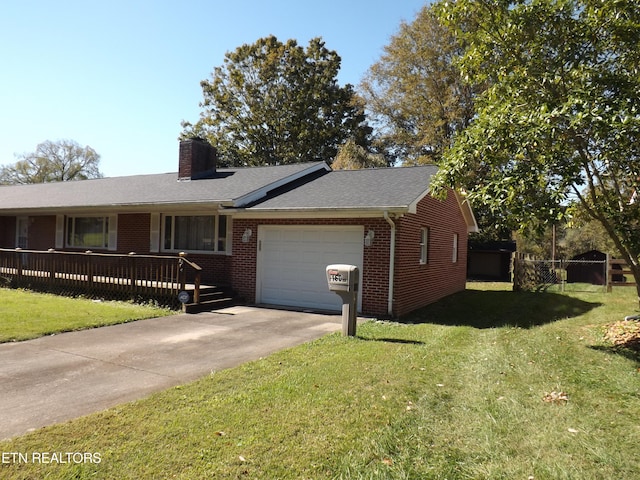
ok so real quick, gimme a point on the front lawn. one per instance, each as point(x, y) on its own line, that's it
point(485, 384)
point(25, 314)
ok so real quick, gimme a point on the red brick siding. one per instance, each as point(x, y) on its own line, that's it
point(42, 232)
point(374, 277)
point(415, 284)
point(244, 259)
point(134, 236)
point(216, 267)
point(7, 232)
point(133, 233)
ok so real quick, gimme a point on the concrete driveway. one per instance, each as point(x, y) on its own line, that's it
point(57, 378)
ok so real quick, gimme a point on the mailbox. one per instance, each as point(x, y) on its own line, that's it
point(344, 280)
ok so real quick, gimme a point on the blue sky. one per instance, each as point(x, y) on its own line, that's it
point(120, 75)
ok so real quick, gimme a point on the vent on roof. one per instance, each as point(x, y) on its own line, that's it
point(197, 159)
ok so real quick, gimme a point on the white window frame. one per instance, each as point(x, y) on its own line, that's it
point(109, 231)
point(216, 236)
point(424, 245)
point(22, 232)
point(454, 254)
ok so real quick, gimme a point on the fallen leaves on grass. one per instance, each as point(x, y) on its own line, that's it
point(625, 333)
point(559, 398)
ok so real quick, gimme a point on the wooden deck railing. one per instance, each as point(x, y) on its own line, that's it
point(132, 276)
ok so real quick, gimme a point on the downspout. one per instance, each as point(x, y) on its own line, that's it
point(392, 261)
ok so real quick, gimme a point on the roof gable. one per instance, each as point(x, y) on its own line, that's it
point(378, 188)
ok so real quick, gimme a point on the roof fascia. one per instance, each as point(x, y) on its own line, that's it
point(413, 206)
point(314, 213)
point(119, 208)
point(467, 212)
point(263, 191)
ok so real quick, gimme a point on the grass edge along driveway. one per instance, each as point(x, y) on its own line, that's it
point(25, 314)
point(465, 391)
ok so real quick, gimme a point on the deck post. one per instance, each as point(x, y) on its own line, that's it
point(19, 265)
point(182, 273)
point(89, 270)
point(196, 288)
point(52, 267)
point(133, 275)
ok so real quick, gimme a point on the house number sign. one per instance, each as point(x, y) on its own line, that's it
point(336, 277)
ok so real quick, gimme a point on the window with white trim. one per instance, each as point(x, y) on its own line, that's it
point(454, 255)
point(195, 233)
point(424, 245)
point(88, 232)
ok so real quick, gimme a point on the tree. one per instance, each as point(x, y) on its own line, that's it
point(415, 92)
point(58, 161)
point(277, 103)
point(571, 239)
point(352, 156)
point(560, 120)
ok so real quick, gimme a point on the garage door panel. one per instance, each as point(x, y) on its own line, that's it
point(292, 263)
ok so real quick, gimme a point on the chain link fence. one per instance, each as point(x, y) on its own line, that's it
point(533, 274)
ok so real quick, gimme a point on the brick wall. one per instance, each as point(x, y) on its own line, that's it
point(416, 284)
point(133, 233)
point(7, 232)
point(374, 277)
point(134, 236)
point(42, 232)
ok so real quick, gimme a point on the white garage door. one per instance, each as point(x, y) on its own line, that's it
point(292, 262)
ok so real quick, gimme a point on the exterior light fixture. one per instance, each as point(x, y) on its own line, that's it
point(368, 239)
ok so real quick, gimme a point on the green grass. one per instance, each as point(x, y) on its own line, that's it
point(25, 314)
point(454, 392)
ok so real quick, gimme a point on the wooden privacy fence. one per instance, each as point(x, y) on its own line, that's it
point(619, 273)
point(132, 276)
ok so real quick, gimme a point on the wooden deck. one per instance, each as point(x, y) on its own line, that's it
point(159, 278)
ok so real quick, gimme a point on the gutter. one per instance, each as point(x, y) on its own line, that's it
point(392, 261)
point(314, 212)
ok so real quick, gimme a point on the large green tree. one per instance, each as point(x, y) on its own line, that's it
point(53, 161)
point(560, 121)
point(278, 103)
point(352, 156)
point(415, 93)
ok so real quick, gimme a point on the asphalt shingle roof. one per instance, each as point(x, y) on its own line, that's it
point(384, 188)
point(352, 189)
point(158, 189)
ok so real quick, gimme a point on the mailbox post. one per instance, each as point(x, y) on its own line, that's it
point(345, 281)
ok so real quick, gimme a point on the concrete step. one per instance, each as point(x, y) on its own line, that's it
point(211, 298)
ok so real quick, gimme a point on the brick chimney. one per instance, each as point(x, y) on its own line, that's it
point(197, 159)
